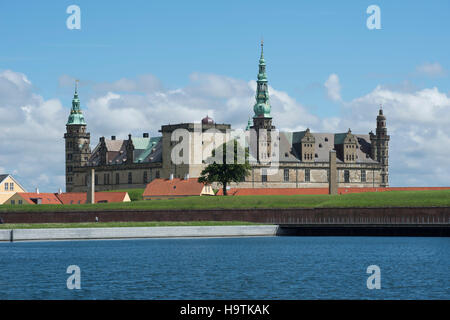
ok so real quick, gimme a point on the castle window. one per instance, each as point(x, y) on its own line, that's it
point(286, 175)
point(307, 175)
point(346, 176)
point(363, 175)
point(320, 145)
point(130, 178)
point(316, 155)
point(326, 139)
point(286, 154)
point(264, 175)
point(117, 178)
point(145, 177)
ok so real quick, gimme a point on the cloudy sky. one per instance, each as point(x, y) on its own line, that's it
point(142, 64)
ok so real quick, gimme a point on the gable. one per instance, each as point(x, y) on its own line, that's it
point(6, 178)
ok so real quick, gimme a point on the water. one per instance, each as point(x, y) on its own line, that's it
point(228, 268)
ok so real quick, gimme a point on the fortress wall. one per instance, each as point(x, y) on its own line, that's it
point(398, 215)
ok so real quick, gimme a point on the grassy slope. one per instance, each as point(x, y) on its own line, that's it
point(122, 224)
point(135, 194)
point(368, 199)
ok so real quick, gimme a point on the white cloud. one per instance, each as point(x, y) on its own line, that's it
point(31, 136)
point(333, 87)
point(431, 69)
point(419, 125)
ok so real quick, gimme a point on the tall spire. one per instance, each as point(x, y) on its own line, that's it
point(76, 115)
point(262, 105)
point(262, 48)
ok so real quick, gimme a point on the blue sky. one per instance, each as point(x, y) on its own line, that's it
point(305, 43)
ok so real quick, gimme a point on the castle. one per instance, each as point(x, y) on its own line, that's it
point(301, 157)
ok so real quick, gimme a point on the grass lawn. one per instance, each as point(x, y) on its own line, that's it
point(122, 224)
point(135, 194)
point(368, 199)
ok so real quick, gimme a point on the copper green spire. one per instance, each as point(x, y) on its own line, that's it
point(76, 115)
point(262, 105)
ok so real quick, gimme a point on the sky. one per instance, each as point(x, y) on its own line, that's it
point(142, 64)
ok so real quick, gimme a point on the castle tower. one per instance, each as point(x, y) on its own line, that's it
point(262, 120)
point(77, 141)
point(380, 147)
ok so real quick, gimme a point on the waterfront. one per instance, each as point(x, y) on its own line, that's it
point(228, 268)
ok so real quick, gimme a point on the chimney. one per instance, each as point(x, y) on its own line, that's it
point(145, 135)
point(171, 176)
point(113, 137)
point(37, 190)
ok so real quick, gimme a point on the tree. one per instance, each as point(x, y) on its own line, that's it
point(225, 172)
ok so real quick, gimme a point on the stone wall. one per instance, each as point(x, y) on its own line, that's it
point(398, 215)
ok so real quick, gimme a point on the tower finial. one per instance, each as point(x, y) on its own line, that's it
point(76, 86)
point(262, 48)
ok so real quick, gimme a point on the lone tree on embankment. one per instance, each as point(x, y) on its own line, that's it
point(223, 169)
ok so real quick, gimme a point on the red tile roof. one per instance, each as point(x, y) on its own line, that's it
point(295, 191)
point(174, 187)
point(80, 197)
point(46, 198)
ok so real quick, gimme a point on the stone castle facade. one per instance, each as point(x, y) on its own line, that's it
point(280, 159)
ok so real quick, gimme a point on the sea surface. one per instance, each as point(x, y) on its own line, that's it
point(228, 268)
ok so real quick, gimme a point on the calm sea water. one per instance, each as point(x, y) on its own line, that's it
point(228, 268)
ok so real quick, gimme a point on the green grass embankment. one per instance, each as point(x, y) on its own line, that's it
point(135, 194)
point(440, 198)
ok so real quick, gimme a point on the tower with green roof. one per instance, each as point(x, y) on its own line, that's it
point(261, 108)
point(77, 141)
point(262, 119)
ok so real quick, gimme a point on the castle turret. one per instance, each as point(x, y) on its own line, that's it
point(77, 141)
point(380, 147)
